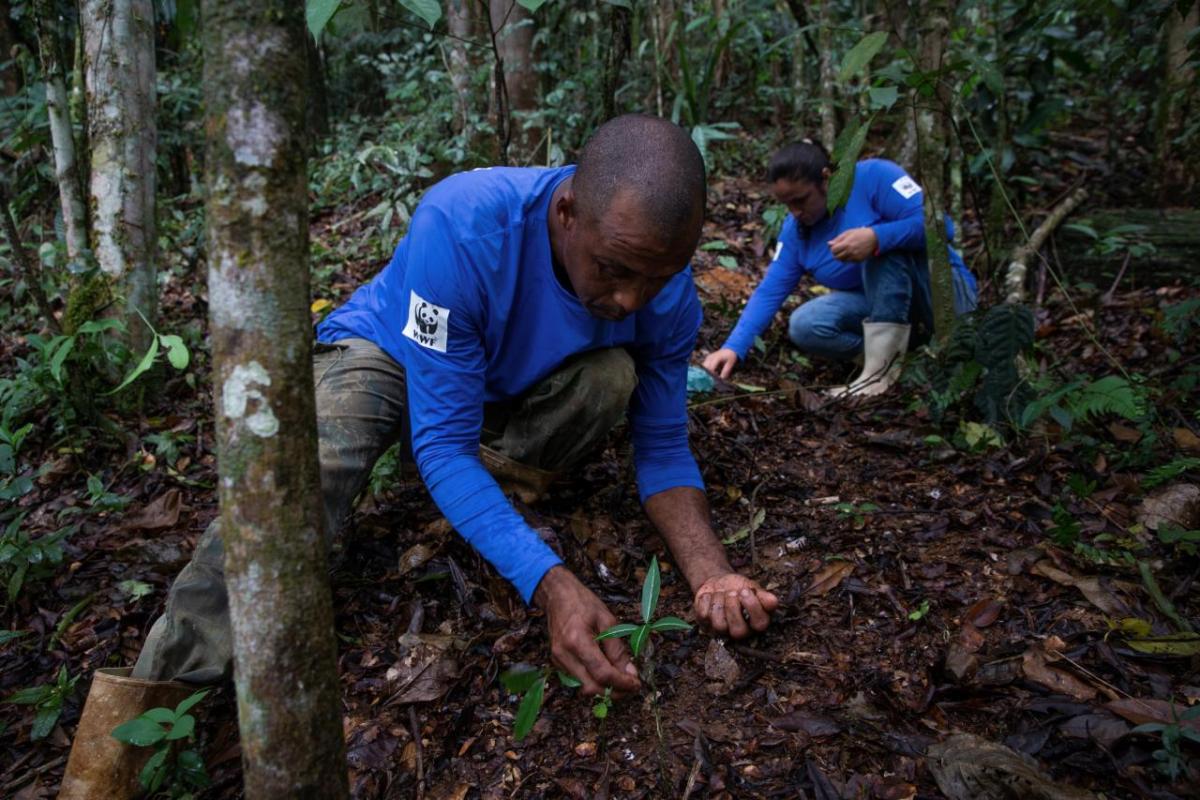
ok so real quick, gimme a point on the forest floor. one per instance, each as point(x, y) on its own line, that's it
point(921, 596)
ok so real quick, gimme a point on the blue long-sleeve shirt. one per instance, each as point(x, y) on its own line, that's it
point(471, 307)
point(884, 198)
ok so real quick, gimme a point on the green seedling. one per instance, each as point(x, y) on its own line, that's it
point(1170, 757)
point(856, 513)
point(160, 728)
point(918, 614)
point(530, 683)
point(47, 699)
point(640, 634)
point(23, 559)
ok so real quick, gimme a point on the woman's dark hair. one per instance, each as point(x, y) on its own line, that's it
point(804, 160)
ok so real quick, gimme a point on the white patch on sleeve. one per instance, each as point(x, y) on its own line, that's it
point(906, 186)
point(778, 250)
point(428, 324)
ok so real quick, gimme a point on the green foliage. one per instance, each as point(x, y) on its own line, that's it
point(1170, 757)
point(1186, 542)
point(530, 683)
point(845, 155)
point(160, 728)
point(1181, 321)
point(918, 614)
point(1169, 471)
point(640, 634)
point(24, 559)
point(861, 54)
point(1128, 239)
point(1066, 528)
point(855, 512)
point(47, 701)
point(318, 13)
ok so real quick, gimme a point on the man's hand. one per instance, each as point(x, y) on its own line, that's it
point(575, 617)
point(721, 363)
point(856, 244)
point(721, 601)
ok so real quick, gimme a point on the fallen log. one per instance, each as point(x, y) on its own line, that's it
point(1174, 232)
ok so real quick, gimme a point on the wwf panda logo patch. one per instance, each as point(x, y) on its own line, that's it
point(428, 323)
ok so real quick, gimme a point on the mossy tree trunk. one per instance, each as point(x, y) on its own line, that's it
point(119, 76)
point(258, 283)
point(829, 127)
point(66, 170)
point(932, 153)
point(513, 27)
point(459, 23)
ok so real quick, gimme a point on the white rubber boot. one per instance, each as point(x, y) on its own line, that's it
point(884, 344)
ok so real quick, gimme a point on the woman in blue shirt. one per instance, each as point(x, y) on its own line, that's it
point(870, 253)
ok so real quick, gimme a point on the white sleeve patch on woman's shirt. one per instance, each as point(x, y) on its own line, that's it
point(428, 324)
point(906, 186)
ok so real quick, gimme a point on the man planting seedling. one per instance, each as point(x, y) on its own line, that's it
point(526, 311)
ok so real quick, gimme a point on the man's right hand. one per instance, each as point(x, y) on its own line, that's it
point(721, 363)
point(575, 617)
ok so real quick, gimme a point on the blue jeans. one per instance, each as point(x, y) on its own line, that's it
point(895, 289)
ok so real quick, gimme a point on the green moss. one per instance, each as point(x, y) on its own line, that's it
point(86, 298)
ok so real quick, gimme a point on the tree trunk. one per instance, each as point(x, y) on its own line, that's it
point(317, 108)
point(618, 49)
point(458, 61)
point(997, 211)
point(66, 169)
point(932, 151)
point(1178, 90)
point(513, 26)
point(119, 71)
point(258, 282)
point(10, 74)
point(825, 47)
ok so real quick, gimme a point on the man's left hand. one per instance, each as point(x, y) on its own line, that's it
point(733, 604)
point(856, 244)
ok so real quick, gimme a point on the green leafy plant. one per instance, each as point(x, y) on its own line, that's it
point(23, 558)
point(101, 499)
point(1170, 471)
point(857, 513)
point(161, 728)
point(639, 634)
point(1186, 542)
point(1170, 757)
point(47, 701)
point(530, 683)
point(918, 613)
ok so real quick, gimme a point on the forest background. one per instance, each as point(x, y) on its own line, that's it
point(1063, 136)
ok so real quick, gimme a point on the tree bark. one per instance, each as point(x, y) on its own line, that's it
point(10, 75)
point(1018, 267)
point(1178, 89)
point(614, 57)
point(932, 151)
point(458, 61)
point(258, 282)
point(513, 27)
point(29, 267)
point(825, 47)
point(119, 77)
point(62, 138)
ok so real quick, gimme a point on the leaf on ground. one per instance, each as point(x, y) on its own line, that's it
point(967, 767)
point(162, 512)
point(829, 578)
point(426, 669)
point(416, 557)
point(1091, 587)
point(1033, 664)
point(1175, 644)
point(1141, 711)
point(811, 724)
point(1177, 505)
point(719, 665)
point(1103, 729)
point(983, 613)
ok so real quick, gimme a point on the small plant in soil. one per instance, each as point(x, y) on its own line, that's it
point(180, 773)
point(530, 682)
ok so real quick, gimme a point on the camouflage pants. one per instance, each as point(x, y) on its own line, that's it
point(361, 397)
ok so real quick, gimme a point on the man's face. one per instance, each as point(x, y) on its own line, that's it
point(614, 263)
point(805, 200)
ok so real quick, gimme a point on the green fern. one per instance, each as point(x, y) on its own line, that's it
point(1111, 394)
point(1172, 469)
point(1004, 333)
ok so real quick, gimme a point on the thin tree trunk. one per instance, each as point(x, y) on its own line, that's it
point(618, 49)
point(1018, 267)
point(10, 75)
point(62, 138)
point(458, 60)
point(1178, 87)
point(29, 267)
point(825, 46)
point(119, 77)
point(932, 151)
point(317, 109)
point(258, 283)
point(997, 211)
point(514, 29)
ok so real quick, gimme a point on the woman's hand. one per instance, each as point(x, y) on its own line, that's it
point(856, 244)
point(721, 363)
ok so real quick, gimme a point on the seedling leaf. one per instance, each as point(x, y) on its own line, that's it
point(618, 631)
point(186, 704)
point(527, 713)
point(650, 590)
point(638, 639)
point(140, 732)
point(669, 624)
point(519, 678)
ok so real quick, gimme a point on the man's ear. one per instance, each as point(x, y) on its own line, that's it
point(566, 209)
point(826, 174)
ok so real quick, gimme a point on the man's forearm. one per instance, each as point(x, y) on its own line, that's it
point(681, 516)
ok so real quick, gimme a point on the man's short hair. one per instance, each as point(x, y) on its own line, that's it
point(654, 159)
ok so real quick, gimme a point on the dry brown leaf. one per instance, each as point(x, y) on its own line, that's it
point(426, 669)
point(983, 613)
point(1177, 505)
point(1034, 665)
point(1124, 434)
point(415, 557)
point(829, 578)
point(1186, 440)
point(1091, 587)
point(967, 767)
point(719, 665)
point(162, 512)
point(1140, 711)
